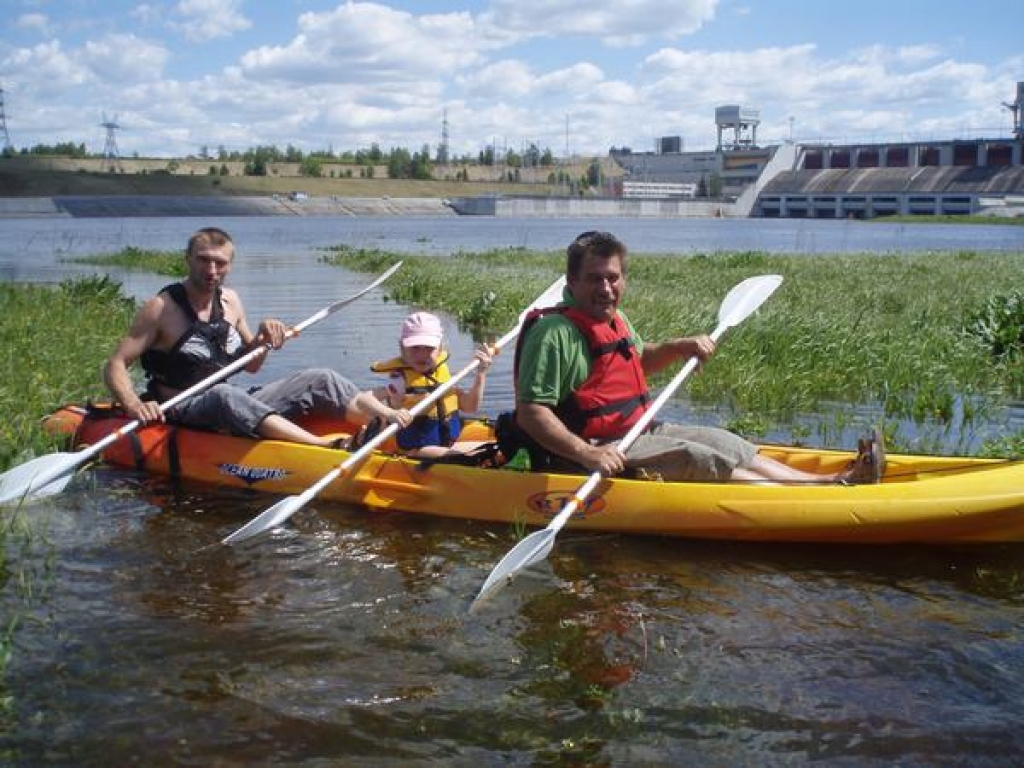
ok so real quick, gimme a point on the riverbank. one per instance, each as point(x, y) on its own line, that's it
point(127, 206)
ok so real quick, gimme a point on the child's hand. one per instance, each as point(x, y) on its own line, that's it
point(400, 416)
point(484, 357)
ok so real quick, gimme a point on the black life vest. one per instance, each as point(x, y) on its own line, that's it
point(202, 350)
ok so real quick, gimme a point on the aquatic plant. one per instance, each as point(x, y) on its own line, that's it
point(171, 263)
point(999, 324)
point(53, 342)
point(881, 334)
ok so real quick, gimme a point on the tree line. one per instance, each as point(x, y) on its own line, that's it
point(401, 163)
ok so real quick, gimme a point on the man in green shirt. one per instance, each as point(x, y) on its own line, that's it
point(581, 383)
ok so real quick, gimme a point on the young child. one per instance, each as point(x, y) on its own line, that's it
point(420, 369)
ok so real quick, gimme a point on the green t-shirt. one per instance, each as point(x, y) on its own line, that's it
point(555, 360)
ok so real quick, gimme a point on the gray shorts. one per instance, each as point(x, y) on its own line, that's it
point(679, 452)
point(227, 407)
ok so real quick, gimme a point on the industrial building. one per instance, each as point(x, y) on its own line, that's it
point(826, 180)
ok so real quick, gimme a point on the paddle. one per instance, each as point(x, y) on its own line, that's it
point(284, 509)
point(738, 305)
point(47, 475)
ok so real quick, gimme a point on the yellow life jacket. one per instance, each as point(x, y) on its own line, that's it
point(420, 385)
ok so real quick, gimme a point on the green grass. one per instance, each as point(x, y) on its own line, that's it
point(52, 343)
point(946, 219)
point(885, 331)
point(170, 263)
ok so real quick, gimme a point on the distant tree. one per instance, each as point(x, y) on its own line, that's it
point(224, 170)
point(255, 167)
point(547, 159)
point(715, 185)
point(593, 177)
point(421, 166)
point(312, 166)
point(293, 154)
point(702, 186)
point(399, 163)
point(212, 171)
point(61, 149)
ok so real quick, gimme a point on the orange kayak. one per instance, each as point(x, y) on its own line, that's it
point(921, 499)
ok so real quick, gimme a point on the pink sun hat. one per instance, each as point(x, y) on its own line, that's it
point(422, 329)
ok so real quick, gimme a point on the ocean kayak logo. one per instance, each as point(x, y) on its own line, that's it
point(251, 475)
point(550, 503)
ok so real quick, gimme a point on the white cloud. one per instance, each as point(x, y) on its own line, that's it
point(37, 22)
point(363, 72)
point(505, 79)
point(43, 69)
point(874, 92)
point(616, 22)
point(146, 13)
point(122, 59)
point(577, 78)
point(916, 54)
point(205, 20)
point(365, 42)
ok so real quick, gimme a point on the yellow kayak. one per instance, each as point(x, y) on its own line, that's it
point(921, 498)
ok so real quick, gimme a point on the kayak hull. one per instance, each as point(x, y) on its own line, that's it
point(922, 499)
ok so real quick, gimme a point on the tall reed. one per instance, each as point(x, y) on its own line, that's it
point(880, 331)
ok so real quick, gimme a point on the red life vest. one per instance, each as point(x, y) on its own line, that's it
point(614, 395)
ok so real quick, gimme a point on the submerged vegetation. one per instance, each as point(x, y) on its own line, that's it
point(951, 219)
point(170, 263)
point(53, 341)
point(886, 335)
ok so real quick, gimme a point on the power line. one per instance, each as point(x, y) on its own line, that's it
point(3, 123)
point(110, 146)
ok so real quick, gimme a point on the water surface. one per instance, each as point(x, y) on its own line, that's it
point(344, 639)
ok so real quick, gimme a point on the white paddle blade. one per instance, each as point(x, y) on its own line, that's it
point(268, 519)
point(745, 298)
point(528, 552)
point(36, 479)
point(549, 298)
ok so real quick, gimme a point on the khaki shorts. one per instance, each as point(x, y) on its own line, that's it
point(232, 409)
point(678, 452)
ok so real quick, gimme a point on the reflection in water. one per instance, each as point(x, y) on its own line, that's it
point(345, 638)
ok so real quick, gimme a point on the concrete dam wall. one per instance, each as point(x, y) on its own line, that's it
point(553, 207)
point(97, 206)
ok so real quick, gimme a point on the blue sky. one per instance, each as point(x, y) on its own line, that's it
point(582, 74)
